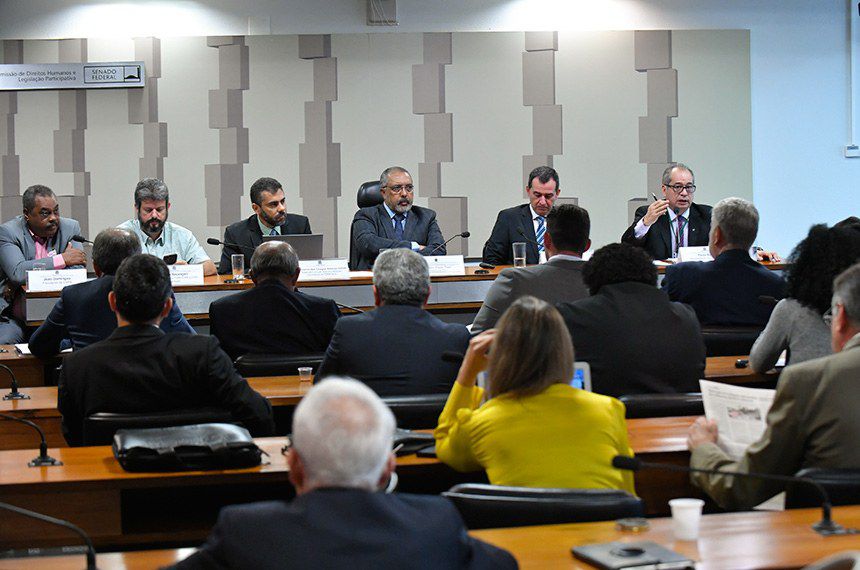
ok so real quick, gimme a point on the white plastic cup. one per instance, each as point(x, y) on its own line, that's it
point(237, 260)
point(686, 515)
point(519, 251)
point(305, 374)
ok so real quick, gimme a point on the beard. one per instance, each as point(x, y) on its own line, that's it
point(153, 226)
point(273, 221)
point(403, 205)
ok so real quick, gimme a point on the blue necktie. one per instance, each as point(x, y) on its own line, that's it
point(541, 230)
point(274, 232)
point(398, 226)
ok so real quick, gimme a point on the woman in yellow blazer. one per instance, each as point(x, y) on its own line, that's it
point(535, 429)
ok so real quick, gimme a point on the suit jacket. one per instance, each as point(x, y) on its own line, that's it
point(18, 250)
point(636, 341)
point(247, 233)
point(345, 528)
point(505, 232)
point(82, 314)
point(140, 369)
point(372, 230)
point(813, 422)
point(396, 350)
point(555, 281)
point(294, 323)
point(725, 291)
point(658, 241)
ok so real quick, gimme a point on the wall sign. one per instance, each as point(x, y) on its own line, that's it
point(16, 77)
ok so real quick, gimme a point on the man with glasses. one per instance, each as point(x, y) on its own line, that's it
point(666, 225)
point(39, 238)
point(395, 223)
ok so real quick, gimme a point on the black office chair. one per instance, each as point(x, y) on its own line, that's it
point(416, 412)
point(729, 341)
point(663, 405)
point(252, 365)
point(99, 428)
point(842, 486)
point(368, 195)
point(493, 506)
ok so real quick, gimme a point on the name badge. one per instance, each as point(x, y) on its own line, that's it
point(323, 269)
point(190, 274)
point(54, 279)
point(445, 265)
point(700, 253)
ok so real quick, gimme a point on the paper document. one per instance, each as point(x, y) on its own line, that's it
point(740, 414)
point(24, 349)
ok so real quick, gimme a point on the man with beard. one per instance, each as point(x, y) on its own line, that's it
point(270, 218)
point(38, 237)
point(159, 237)
point(395, 223)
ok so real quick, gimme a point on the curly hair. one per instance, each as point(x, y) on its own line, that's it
point(822, 255)
point(618, 263)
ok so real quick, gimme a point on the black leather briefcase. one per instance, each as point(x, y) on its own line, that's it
point(186, 448)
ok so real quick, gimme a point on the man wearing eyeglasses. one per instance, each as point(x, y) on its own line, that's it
point(666, 225)
point(396, 223)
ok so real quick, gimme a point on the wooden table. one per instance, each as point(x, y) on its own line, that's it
point(29, 370)
point(737, 540)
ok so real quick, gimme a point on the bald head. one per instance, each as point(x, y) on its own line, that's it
point(275, 260)
point(111, 247)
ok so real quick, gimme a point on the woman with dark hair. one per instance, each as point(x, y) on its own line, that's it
point(800, 322)
point(535, 429)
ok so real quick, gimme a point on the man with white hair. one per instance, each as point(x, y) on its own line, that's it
point(341, 456)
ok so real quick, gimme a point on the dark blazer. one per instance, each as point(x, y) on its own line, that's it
point(140, 369)
point(272, 319)
point(725, 291)
point(82, 315)
point(372, 230)
point(498, 250)
point(636, 341)
point(247, 233)
point(352, 529)
point(658, 241)
point(555, 281)
point(396, 350)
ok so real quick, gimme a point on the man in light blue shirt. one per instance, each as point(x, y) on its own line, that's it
point(158, 236)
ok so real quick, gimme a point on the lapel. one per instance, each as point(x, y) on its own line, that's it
point(529, 229)
point(411, 225)
point(256, 236)
point(28, 246)
point(665, 233)
point(384, 222)
point(285, 227)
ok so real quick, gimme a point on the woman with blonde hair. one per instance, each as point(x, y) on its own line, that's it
point(535, 429)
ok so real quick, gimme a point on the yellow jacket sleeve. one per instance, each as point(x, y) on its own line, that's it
point(623, 444)
point(453, 434)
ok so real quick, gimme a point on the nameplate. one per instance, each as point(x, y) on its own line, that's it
point(444, 265)
point(323, 269)
point(54, 279)
point(15, 77)
point(190, 274)
point(701, 253)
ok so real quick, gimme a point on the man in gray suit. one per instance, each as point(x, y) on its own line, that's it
point(813, 421)
point(556, 281)
point(395, 223)
point(37, 237)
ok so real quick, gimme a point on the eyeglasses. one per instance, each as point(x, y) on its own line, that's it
point(678, 188)
point(399, 188)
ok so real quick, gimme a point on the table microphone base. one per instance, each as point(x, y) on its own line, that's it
point(16, 396)
point(46, 461)
point(830, 528)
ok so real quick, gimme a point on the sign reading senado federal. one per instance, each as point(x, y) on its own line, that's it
point(104, 75)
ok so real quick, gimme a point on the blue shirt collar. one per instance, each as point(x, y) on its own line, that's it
point(391, 213)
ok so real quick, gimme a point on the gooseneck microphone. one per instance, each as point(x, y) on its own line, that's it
point(14, 394)
point(80, 238)
point(91, 551)
point(356, 309)
point(213, 241)
point(43, 460)
point(826, 526)
point(522, 232)
point(441, 245)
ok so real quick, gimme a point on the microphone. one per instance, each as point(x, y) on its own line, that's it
point(43, 459)
point(80, 238)
point(91, 551)
point(14, 394)
point(522, 232)
point(342, 306)
point(826, 526)
point(462, 235)
point(213, 241)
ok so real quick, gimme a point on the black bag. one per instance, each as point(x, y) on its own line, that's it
point(186, 448)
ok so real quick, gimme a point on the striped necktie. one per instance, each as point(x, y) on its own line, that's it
point(541, 230)
point(398, 226)
point(274, 232)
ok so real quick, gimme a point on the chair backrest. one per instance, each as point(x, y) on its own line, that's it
point(842, 486)
point(369, 194)
point(99, 428)
point(729, 341)
point(663, 405)
point(416, 412)
point(251, 365)
point(493, 506)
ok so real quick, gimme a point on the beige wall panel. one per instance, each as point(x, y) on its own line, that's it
point(429, 179)
point(148, 50)
point(541, 41)
point(143, 103)
point(655, 139)
point(7, 134)
point(428, 88)
point(325, 79)
point(538, 78)
point(223, 184)
point(318, 127)
point(218, 41)
point(547, 129)
point(69, 151)
point(13, 51)
point(438, 137)
point(437, 47)
point(530, 162)
point(73, 108)
point(233, 64)
point(81, 184)
point(453, 209)
point(654, 177)
point(233, 145)
point(10, 206)
point(155, 139)
point(662, 92)
point(76, 207)
point(10, 173)
point(72, 51)
point(225, 108)
point(314, 46)
point(326, 222)
point(653, 49)
point(323, 178)
point(151, 167)
point(8, 103)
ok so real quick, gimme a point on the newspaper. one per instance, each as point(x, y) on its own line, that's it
point(740, 413)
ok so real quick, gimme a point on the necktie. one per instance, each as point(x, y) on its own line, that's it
point(398, 226)
point(541, 230)
point(274, 232)
point(679, 235)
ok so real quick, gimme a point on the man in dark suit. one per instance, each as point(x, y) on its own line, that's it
point(635, 340)
point(82, 314)
point(340, 457)
point(395, 223)
point(675, 221)
point(525, 223)
point(270, 218)
point(397, 348)
point(294, 323)
point(726, 291)
point(39, 237)
point(139, 369)
point(557, 280)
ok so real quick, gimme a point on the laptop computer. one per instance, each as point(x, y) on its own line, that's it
point(307, 246)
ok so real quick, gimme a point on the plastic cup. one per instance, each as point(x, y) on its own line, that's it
point(238, 262)
point(686, 515)
point(305, 374)
point(519, 250)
